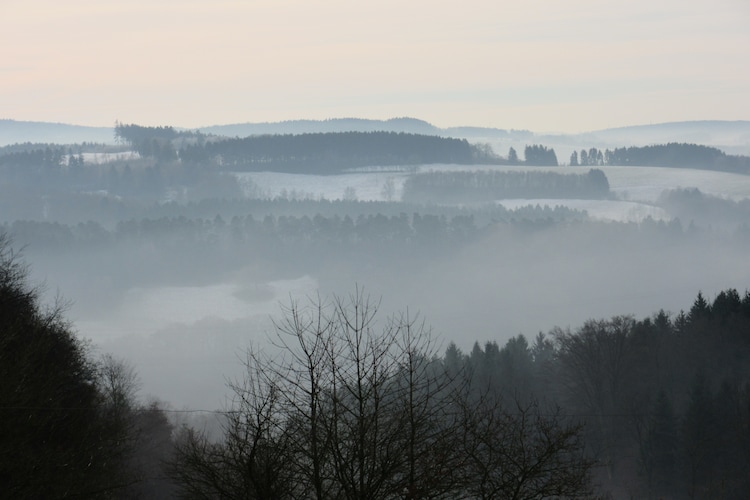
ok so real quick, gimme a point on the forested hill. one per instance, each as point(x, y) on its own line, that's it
point(15, 131)
point(304, 153)
point(296, 127)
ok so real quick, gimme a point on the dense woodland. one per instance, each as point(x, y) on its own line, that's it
point(72, 427)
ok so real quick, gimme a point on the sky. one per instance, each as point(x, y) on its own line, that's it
point(542, 65)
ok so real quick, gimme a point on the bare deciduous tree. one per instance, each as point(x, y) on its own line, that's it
point(522, 452)
point(355, 409)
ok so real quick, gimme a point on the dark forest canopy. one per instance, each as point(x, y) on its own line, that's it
point(539, 155)
point(156, 142)
point(664, 400)
point(138, 134)
point(33, 156)
point(333, 152)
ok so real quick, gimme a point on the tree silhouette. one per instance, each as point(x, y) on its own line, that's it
point(58, 440)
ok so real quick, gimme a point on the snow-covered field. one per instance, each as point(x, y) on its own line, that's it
point(637, 188)
point(362, 186)
point(645, 184)
point(102, 158)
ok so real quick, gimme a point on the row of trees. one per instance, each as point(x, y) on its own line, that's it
point(397, 229)
point(332, 152)
point(536, 155)
point(664, 155)
point(45, 159)
point(539, 155)
point(594, 157)
point(160, 143)
point(489, 185)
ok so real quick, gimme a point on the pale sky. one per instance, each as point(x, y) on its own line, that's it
point(543, 65)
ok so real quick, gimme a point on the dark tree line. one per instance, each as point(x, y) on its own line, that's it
point(271, 233)
point(664, 401)
point(42, 165)
point(135, 134)
point(160, 143)
point(442, 187)
point(592, 157)
point(332, 152)
point(49, 156)
point(679, 155)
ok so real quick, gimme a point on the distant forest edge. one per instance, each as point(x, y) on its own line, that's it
point(331, 152)
point(664, 155)
point(323, 153)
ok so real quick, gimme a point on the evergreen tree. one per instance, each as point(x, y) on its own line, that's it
point(699, 438)
point(659, 447)
point(701, 309)
point(512, 157)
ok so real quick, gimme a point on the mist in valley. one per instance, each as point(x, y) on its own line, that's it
point(182, 286)
point(181, 263)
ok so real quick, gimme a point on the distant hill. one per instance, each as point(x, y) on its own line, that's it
point(732, 137)
point(16, 132)
point(406, 125)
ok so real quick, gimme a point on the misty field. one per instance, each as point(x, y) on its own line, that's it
point(639, 187)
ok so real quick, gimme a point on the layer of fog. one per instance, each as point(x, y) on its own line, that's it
point(185, 341)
